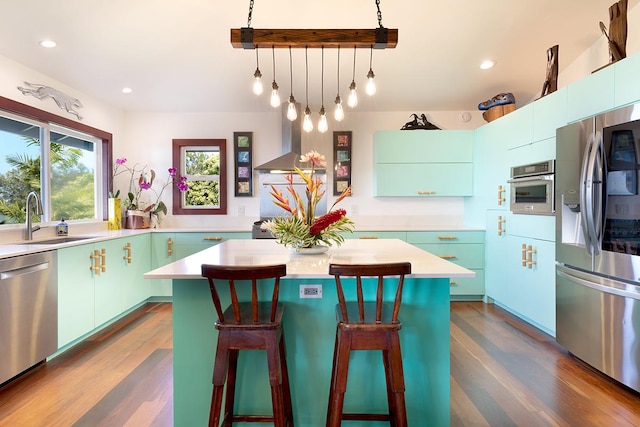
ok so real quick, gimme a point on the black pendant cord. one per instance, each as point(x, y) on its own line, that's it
point(322, 80)
point(290, 73)
point(306, 72)
point(338, 70)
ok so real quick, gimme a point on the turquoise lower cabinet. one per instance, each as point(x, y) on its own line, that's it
point(98, 282)
point(189, 243)
point(465, 248)
point(423, 163)
point(76, 293)
point(495, 269)
point(162, 253)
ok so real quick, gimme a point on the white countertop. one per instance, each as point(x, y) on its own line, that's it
point(355, 251)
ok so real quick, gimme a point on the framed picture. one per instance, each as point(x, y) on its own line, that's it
point(341, 161)
point(243, 168)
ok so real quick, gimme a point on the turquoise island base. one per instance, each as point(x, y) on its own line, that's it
point(309, 334)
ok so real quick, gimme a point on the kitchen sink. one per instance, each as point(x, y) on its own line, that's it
point(54, 241)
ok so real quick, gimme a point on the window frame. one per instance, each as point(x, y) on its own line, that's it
point(33, 113)
point(178, 161)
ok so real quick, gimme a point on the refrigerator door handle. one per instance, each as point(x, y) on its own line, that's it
point(593, 198)
point(584, 220)
point(607, 286)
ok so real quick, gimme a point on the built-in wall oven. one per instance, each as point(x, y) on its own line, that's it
point(532, 188)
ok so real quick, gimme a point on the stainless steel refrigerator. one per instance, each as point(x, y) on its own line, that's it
point(598, 242)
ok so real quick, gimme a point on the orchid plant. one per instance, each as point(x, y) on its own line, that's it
point(302, 229)
point(141, 182)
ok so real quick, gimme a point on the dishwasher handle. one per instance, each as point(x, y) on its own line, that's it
point(30, 269)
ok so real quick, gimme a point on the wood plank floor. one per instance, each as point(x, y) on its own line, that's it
point(503, 373)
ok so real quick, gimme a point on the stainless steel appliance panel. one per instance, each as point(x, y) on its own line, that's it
point(598, 320)
point(28, 311)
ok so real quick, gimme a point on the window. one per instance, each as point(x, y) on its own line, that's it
point(59, 159)
point(203, 162)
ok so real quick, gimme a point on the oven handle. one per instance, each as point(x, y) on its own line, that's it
point(531, 178)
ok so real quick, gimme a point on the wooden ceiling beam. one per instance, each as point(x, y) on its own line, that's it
point(252, 38)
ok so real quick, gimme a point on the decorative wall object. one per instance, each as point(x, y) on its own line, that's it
point(63, 100)
point(419, 123)
point(342, 161)
point(617, 31)
point(498, 106)
point(243, 163)
point(551, 80)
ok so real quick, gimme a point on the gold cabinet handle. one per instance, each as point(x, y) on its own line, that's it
point(95, 262)
point(530, 252)
point(448, 256)
point(169, 246)
point(127, 248)
point(103, 264)
point(500, 227)
point(501, 191)
point(368, 237)
point(524, 255)
point(447, 237)
point(426, 192)
point(214, 238)
point(452, 283)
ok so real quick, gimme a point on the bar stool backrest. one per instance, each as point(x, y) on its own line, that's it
point(360, 271)
point(217, 275)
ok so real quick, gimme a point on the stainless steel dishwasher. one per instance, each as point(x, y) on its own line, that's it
point(28, 311)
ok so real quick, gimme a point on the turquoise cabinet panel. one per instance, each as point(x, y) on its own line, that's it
point(111, 282)
point(76, 294)
point(189, 243)
point(402, 235)
point(435, 146)
point(549, 113)
point(531, 153)
point(136, 260)
point(496, 281)
point(462, 247)
point(542, 227)
point(517, 127)
point(424, 180)
point(627, 84)
point(423, 163)
point(162, 253)
point(591, 95)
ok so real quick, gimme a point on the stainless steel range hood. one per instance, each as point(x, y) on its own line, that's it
point(291, 144)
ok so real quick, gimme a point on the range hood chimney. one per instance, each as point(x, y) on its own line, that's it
point(291, 144)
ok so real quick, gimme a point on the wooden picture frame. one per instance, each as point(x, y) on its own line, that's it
point(243, 161)
point(342, 142)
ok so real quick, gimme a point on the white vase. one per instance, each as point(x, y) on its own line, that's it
point(315, 250)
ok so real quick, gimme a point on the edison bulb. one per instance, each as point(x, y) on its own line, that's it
point(307, 124)
point(323, 126)
point(257, 82)
point(292, 114)
point(371, 84)
point(275, 96)
point(352, 100)
point(338, 114)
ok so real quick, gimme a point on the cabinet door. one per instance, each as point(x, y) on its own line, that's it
point(423, 146)
point(162, 253)
point(424, 180)
point(189, 243)
point(531, 266)
point(627, 84)
point(517, 127)
point(110, 283)
point(496, 281)
point(136, 261)
point(549, 113)
point(76, 293)
point(591, 95)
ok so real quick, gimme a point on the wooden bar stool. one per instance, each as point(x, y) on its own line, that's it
point(368, 325)
point(251, 325)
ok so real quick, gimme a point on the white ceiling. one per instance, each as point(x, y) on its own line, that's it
point(177, 55)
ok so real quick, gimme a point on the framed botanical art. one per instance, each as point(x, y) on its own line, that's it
point(341, 161)
point(243, 163)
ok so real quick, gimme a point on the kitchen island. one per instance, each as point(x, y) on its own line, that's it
point(309, 327)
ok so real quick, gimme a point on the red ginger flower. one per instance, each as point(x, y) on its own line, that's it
point(326, 220)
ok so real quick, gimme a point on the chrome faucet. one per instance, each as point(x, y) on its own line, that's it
point(28, 232)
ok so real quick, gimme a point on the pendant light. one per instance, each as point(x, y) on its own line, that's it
point(352, 101)
point(275, 96)
point(371, 85)
point(338, 114)
point(292, 114)
point(257, 82)
point(307, 124)
point(322, 124)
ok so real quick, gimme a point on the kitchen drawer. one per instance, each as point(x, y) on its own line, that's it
point(402, 235)
point(446, 236)
point(466, 255)
point(468, 286)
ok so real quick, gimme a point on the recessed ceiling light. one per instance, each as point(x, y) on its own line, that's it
point(127, 90)
point(487, 64)
point(48, 43)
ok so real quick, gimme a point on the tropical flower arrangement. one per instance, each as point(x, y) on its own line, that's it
point(141, 183)
point(302, 229)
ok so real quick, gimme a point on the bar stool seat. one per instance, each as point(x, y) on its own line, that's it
point(254, 325)
point(368, 325)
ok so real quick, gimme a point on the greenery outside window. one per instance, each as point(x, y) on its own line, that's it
point(203, 162)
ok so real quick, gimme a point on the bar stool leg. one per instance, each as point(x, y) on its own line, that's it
point(275, 379)
point(391, 402)
point(219, 374)
point(288, 407)
point(332, 384)
point(230, 397)
point(397, 380)
point(336, 405)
